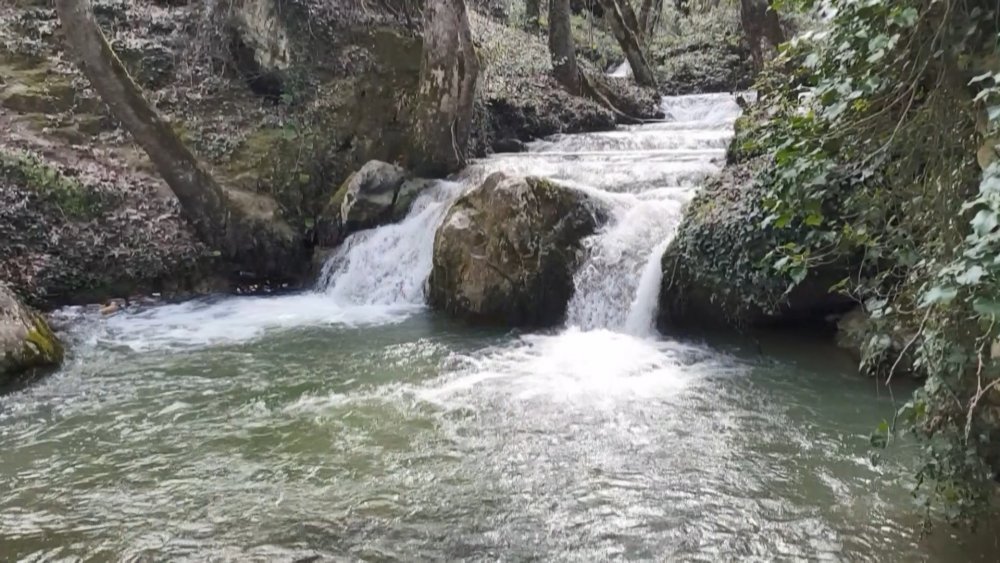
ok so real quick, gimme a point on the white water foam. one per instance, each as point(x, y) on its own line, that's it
point(618, 284)
point(378, 276)
point(389, 265)
point(583, 368)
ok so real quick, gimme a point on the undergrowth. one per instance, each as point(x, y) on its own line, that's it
point(71, 196)
point(881, 129)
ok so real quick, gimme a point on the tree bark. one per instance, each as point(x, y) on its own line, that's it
point(561, 47)
point(760, 24)
point(625, 27)
point(532, 9)
point(649, 18)
point(216, 221)
point(448, 72)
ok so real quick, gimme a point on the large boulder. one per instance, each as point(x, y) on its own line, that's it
point(716, 271)
point(26, 342)
point(507, 250)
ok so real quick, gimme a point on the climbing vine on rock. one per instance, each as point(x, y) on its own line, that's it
point(883, 156)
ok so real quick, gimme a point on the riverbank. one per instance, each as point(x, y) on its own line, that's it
point(330, 106)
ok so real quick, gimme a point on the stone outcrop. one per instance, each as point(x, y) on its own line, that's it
point(712, 271)
point(506, 251)
point(26, 341)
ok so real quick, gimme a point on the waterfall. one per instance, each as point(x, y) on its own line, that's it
point(618, 284)
point(642, 312)
point(389, 265)
point(645, 173)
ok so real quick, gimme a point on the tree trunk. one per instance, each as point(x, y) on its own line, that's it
point(532, 15)
point(760, 24)
point(561, 47)
point(649, 18)
point(250, 242)
point(448, 72)
point(625, 27)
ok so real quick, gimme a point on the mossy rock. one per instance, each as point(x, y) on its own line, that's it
point(26, 341)
point(31, 86)
point(506, 252)
point(716, 272)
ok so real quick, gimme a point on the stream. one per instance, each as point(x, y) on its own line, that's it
point(351, 422)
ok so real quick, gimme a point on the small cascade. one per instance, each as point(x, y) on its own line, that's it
point(641, 320)
point(389, 265)
point(623, 70)
point(618, 284)
point(645, 173)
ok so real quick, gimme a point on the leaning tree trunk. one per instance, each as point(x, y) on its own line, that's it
point(448, 72)
point(761, 24)
point(251, 243)
point(625, 28)
point(562, 48)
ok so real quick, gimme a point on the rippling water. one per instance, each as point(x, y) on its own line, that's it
point(351, 423)
point(424, 439)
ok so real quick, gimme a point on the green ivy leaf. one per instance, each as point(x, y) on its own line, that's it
point(984, 222)
point(798, 273)
point(986, 306)
point(939, 295)
point(906, 17)
point(971, 276)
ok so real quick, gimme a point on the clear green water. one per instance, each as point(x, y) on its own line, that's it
point(351, 424)
point(423, 439)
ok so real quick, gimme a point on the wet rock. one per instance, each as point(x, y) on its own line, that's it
point(26, 341)
point(509, 145)
point(377, 194)
point(367, 197)
point(506, 251)
point(712, 270)
point(880, 353)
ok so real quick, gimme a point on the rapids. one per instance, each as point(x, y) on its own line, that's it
point(349, 422)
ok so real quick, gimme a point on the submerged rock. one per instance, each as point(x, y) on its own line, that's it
point(506, 251)
point(26, 341)
point(509, 145)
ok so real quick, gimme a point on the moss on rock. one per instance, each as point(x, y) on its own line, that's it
point(716, 272)
point(26, 341)
point(506, 251)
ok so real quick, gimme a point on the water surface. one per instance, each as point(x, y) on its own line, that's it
point(351, 423)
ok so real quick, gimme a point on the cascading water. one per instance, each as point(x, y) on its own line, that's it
point(389, 265)
point(617, 285)
point(348, 423)
point(646, 173)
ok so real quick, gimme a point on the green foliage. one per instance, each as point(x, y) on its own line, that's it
point(873, 149)
point(305, 165)
point(74, 199)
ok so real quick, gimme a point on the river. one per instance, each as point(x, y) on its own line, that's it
point(350, 422)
